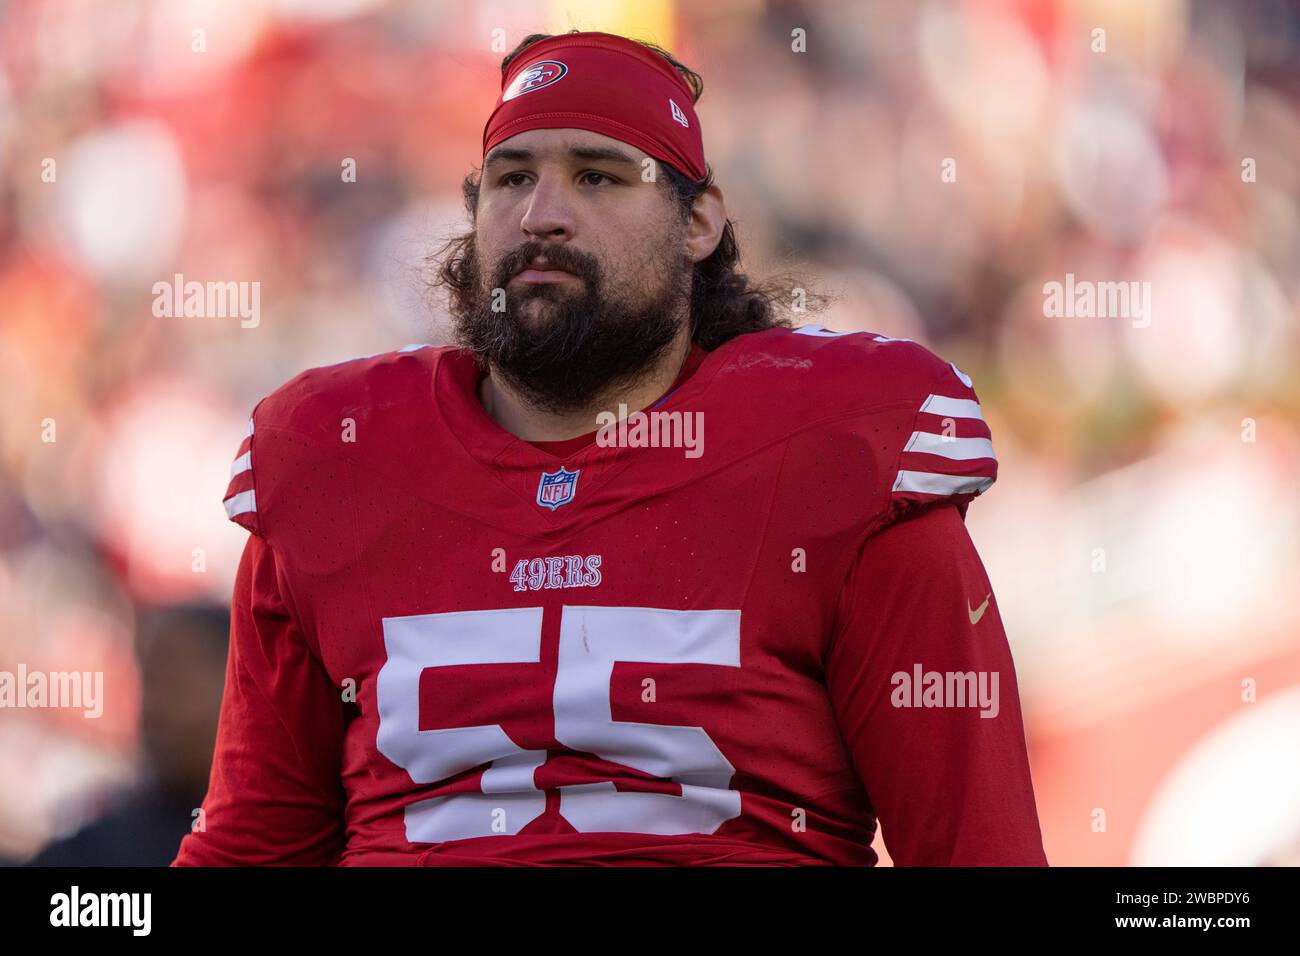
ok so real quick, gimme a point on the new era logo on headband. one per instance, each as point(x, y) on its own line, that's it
point(678, 115)
point(534, 77)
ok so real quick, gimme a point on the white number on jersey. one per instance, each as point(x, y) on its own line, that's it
point(592, 640)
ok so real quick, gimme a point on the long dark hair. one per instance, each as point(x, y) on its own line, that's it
point(725, 302)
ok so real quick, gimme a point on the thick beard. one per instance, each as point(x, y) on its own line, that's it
point(580, 345)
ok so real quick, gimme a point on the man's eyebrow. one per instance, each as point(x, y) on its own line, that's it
point(515, 154)
point(606, 154)
point(507, 154)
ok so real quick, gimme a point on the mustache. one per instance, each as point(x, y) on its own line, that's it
point(581, 264)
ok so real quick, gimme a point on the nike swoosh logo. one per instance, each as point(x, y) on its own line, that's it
point(977, 613)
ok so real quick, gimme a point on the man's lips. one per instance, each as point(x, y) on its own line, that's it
point(544, 275)
point(541, 270)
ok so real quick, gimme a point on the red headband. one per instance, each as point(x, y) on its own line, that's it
point(604, 83)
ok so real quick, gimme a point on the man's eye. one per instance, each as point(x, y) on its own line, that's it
point(585, 176)
point(506, 179)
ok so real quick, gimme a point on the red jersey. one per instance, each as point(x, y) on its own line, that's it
point(450, 646)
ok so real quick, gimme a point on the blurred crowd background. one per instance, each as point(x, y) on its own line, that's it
point(935, 164)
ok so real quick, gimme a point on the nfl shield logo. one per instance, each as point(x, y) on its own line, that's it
point(557, 487)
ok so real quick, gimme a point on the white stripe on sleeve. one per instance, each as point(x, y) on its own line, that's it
point(241, 503)
point(959, 449)
point(947, 407)
point(930, 483)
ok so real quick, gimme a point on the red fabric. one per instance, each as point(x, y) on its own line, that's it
point(950, 786)
point(565, 447)
point(604, 83)
point(688, 662)
point(275, 796)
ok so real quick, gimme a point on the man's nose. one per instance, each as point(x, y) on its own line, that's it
point(550, 211)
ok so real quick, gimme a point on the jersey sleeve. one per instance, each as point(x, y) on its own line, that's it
point(275, 793)
point(947, 773)
point(948, 455)
point(240, 499)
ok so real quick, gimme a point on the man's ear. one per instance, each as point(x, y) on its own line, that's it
point(708, 219)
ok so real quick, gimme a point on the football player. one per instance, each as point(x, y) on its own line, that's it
point(511, 602)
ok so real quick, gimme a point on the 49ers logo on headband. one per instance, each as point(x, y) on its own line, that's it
point(534, 77)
